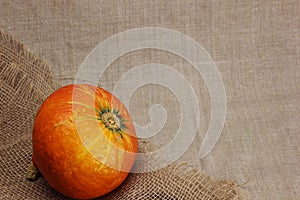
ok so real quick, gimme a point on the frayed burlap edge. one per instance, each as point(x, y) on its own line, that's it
point(41, 68)
point(26, 81)
point(176, 181)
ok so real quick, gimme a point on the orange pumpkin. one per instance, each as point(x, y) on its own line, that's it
point(84, 141)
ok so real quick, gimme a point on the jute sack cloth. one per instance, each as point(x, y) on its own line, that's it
point(26, 82)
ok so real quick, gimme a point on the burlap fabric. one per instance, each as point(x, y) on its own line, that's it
point(255, 45)
point(25, 82)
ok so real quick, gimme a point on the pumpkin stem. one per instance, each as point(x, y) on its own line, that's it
point(111, 121)
point(33, 172)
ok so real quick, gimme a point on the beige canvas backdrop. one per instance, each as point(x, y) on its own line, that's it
point(255, 45)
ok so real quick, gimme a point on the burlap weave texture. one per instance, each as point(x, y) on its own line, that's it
point(25, 82)
point(254, 43)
